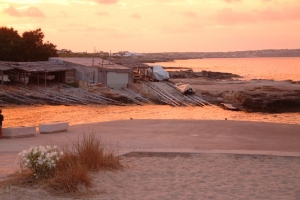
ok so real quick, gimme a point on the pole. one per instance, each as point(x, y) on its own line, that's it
point(2, 77)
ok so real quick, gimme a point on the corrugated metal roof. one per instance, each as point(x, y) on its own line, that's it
point(4, 67)
point(41, 66)
point(90, 62)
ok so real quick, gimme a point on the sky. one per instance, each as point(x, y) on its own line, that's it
point(158, 25)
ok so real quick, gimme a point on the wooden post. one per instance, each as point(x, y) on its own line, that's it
point(38, 75)
point(45, 79)
point(65, 77)
point(25, 73)
point(14, 76)
point(2, 77)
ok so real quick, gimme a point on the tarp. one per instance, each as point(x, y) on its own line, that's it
point(159, 73)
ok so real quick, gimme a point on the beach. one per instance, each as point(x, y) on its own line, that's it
point(188, 159)
point(196, 176)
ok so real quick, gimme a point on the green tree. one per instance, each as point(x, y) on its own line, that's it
point(10, 44)
point(29, 47)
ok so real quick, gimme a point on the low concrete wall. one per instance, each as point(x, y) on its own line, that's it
point(54, 127)
point(18, 132)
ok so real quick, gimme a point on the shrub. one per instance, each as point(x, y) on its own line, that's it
point(95, 154)
point(87, 154)
point(40, 160)
point(66, 171)
point(69, 174)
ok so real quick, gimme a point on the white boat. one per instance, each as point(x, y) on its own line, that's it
point(41, 76)
point(184, 88)
point(18, 79)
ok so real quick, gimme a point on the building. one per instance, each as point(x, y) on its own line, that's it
point(39, 72)
point(98, 71)
point(132, 54)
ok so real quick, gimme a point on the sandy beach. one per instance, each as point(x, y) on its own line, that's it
point(223, 159)
point(190, 176)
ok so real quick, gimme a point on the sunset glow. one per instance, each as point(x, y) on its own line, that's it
point(158, 25)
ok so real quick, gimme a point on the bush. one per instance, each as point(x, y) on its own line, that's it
point(87, 154)
point(40, 160)
point(66, 171)
point(69, 174)
point(94, 154)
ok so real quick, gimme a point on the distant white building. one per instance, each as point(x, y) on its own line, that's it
point(132, 54)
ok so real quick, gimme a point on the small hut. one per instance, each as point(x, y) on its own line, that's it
point(98, 71)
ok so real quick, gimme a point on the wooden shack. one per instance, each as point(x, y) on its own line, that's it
point(40, 72)
point(98, 71)
point(4, 77)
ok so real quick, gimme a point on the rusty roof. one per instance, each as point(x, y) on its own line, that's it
point(90, 62)
point(40, 66)
point(4, 67)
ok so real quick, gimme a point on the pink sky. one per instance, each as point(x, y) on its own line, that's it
point(158, 25)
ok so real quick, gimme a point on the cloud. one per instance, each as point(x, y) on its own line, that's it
point(229, 17)
point(12, 12)
point(63, 14)
point(29, 12)
point(293, 13)
point(135, 16)
point(102, 14)
point(232, 1)
point(34, 12)
point(106, 1)
point(269, 0)
point(270, 14)
point(91, 29)
point(189, 14)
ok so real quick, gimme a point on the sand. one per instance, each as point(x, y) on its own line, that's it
point(207, 174)
point(82, 114)
point(190, 176)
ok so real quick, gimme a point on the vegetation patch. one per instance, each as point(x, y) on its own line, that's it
point(65, 171)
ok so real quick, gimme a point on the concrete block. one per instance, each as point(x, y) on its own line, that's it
point(18, 131)
point(54, 127)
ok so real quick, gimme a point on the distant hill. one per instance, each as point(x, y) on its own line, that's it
point(230, 54)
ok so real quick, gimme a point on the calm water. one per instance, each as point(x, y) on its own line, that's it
point(249, 68)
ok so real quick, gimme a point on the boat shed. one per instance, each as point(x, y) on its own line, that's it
point(98, 71)
point(40, 72)
point(2, 69)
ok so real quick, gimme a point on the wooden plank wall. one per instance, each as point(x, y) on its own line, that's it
point(70, 76)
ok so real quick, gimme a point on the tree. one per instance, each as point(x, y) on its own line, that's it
point(10, 44)
point(29, 47)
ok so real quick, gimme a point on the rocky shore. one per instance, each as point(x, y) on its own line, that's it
point(252, 96)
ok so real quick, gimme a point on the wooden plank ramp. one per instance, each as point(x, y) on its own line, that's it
point(167, 97)
point(193, 98)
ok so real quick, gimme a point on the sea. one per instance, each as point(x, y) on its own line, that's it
point(280, 68)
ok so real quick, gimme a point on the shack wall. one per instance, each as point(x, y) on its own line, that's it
point(117, 80)
point(70, 76)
